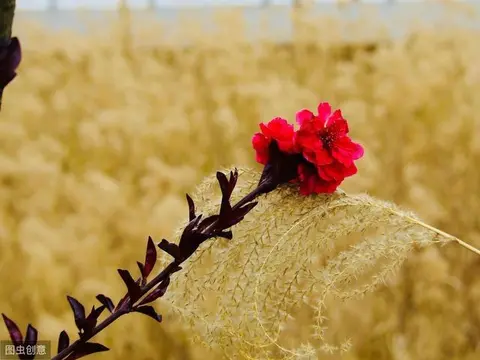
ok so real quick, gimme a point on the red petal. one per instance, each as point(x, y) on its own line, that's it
point(286, 145)
point(311, 183)
point(326, 187)
point(306, 177)
point(307, 139)
point(265, 130)
point(359, 151)
point(279, 125)
point(260, 144)
point(345, 151)
point(324, 110)
point(350, 170)
point(322, 157)
point(281, 131)
point(338, 125)
point(304, 116)
point(309, 155)
point(332, 172)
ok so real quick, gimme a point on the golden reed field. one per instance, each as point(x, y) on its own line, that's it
point(102, 134)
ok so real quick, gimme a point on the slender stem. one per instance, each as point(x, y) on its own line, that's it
point(250, 196)
point(164, 274)
point(439, 232)
point(7, 12)
point(431, 228)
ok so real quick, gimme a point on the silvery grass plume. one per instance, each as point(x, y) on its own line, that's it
point(291, 253)
point(305, 247)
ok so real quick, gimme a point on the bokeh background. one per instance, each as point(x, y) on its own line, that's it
point(113, 118)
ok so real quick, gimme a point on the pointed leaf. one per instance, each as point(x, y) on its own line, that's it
point(91, 320)
point(193, 224)
point(222, 180)
point(239, 214)
point(78, 312)
point(232, 182)
point(87, 349)
point(208, 221)
point(63, 341)
point(189, 243)
point(225, 207)
point(159, 291)
point(104, 300)
point(170, 248)
point(96, 312)
point(141, 268)
point(122, 301)
point(10, 58)
point(150, 258)
point(191, 208)
point(132, 286)
point(15, 333)
point(233, 178)
point(31, 336)
point(149, 311)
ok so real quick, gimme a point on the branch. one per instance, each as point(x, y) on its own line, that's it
point(7, 11)
point(141, 292)
point(9, 47)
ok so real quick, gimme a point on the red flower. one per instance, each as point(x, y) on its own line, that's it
point(323, 153)
point(323, 137)
point(278, 130)
point(324, 143)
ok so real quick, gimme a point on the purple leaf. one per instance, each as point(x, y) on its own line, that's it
point(91, 320)
point(87, 349)
point(208, 221)
point(30, 340)
point(104, 300)
point(150, 258)
point(142, 269)
point(193, 224)
point(123, 301)
point(239, 214)
point(233, 178)
point(170, 248)
point(132, 286)
point(78, 312)
point(191, 208)
point(126, 298)
point(149, 311)
point(10, 57)
point(96, 312)
point(31, 335)
point(159, 291)
point(225, 186)
point(15, 333)
point(63, 341)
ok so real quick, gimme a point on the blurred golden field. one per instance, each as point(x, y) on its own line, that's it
point(103, 134)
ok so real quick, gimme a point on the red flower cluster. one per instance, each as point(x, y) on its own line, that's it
point(328, 152)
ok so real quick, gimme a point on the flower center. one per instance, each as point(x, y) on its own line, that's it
point(327, 137)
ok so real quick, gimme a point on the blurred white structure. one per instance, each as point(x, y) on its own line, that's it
point(146, 4)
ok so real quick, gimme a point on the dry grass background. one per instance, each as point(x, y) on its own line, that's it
point(101, 135)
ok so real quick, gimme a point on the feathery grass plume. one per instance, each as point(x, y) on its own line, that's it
point(292, 253)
